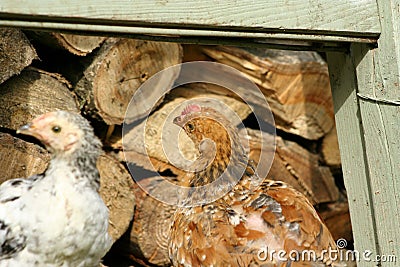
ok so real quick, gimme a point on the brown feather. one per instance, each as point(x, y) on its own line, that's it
point(232, 230)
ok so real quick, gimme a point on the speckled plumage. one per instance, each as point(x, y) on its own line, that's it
point(234, 229)
point(57, 218)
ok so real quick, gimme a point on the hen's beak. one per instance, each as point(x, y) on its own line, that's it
point(25, 129)
point(178, 121)
point(30, 129)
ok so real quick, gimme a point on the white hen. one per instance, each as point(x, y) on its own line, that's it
point(56, 218)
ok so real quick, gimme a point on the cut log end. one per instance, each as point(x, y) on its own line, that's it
point(119, 68)
point(151, 225)
point(32, 93)
point(19, 158)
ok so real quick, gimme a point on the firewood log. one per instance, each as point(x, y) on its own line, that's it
point(298, 167)
point(146, 242)
point(117, 70)
point(16, 53)
point(151, 225)
point(192, 52)
point(149, 164)
point(337, 218)
point(19, 158)
point(116, 189)
point(32, 93)
point(330, 150)
point(79, 45)
point(296, 85)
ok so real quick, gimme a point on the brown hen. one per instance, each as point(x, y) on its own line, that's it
point(255, 224)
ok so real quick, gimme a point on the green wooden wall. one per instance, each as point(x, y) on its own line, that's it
point(361, 38)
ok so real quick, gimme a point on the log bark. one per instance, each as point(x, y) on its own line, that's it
point(316, 180)
point(31, 94)
point(80, 45)
point(116, 189)
point(16, 53)
point(117, 70)
point(296, 85)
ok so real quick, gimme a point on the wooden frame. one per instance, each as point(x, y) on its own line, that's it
point(361, 38)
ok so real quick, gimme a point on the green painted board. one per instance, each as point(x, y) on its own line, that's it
point(352, 152)
point(378, 77)
point(245, 18)
point(366, 90)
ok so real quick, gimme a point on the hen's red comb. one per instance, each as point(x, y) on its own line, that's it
point(191, 108)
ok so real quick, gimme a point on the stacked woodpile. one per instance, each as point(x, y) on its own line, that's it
point(97, 76)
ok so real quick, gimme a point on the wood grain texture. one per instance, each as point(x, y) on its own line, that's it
point(352, 152)
point(19, 158)
point(296, 166)
point(296, 85)
point(151, 224)
point(118, 69)
point(79, 45)
point(341, 17)
point(16, 52)
point(32, 93)
point(330, 150)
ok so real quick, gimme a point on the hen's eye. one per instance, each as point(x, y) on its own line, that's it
point(56, 129)
point(190, 127)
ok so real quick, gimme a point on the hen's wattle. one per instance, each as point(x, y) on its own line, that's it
point(242, 227)
point(56, 218)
